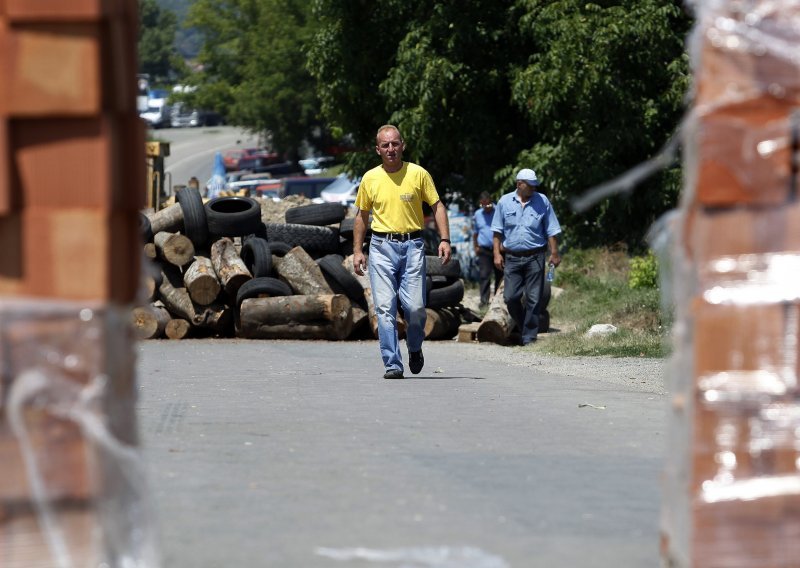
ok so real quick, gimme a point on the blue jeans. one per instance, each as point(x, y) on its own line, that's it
point(524, 279)
point(397, 270)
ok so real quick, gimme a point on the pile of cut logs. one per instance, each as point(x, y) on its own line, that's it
point(208, 275)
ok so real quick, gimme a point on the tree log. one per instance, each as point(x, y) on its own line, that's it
point(217, 317)
point(175, 248)
point(201, 281)
point(178, 329)
point(169, 219)
point(360, 317)
point(497, 325)
point(150, 251)
point(301, 317)
point(175, 297)
point(150, 321)
point(229, 266)
point(441, 323)
point(303, 274)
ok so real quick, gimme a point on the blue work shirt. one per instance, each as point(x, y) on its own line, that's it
point(482, 226)
point(525, 227)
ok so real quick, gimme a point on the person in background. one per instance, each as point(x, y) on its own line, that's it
point(482, 238)
point(526, 225)
point(394, 192)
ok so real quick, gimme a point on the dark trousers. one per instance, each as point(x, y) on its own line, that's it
point(524, 282)
point(485, 269)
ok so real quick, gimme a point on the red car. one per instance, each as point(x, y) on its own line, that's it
point(232, 158)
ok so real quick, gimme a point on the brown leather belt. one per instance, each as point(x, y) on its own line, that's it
point(526, 252)
point(400, 237)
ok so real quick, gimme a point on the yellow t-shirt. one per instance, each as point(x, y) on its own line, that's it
point(396, 199)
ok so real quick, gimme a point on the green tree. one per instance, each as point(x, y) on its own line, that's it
point(350, 55)
point(602, 90)
point(156, 41)
point(253, 66)
point(579, 91)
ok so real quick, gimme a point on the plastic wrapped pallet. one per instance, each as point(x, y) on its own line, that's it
point(73, 485)
point(732, 484)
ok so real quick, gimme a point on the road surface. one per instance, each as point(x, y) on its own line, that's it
point(298, 454)
point(192, 150)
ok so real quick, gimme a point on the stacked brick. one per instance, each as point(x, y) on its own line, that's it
point(733, 483)
point(71, 185)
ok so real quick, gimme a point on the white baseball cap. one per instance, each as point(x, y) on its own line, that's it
point(528, 176)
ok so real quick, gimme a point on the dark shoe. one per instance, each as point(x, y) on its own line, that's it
point(415, 361)
point(393, 374)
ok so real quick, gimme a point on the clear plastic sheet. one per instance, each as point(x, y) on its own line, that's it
point(73, 492)
point(732, 480)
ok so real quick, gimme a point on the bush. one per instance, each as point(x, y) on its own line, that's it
point(643, 272)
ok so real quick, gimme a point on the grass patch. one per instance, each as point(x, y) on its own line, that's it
point(595, 290)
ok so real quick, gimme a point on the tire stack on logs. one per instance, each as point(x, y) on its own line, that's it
point(225, 268)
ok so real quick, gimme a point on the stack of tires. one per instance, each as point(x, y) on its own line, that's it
point(321, 230)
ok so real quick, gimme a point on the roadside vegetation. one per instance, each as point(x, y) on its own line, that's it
point(606, 285)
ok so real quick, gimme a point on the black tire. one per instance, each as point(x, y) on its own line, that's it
point(434, 267)
point(260, 233)
point(311, 238)
point(257, 288)
point(546, 293)
point(145, 228)
point(316, 214)
point(233, 216)
point(340, 279)
point(544, 322)
point(346, 227)
point(195, 221)
point(279, 248)
point(345, 247)
point(264, 286)
point(257, 257)
point(445, 297)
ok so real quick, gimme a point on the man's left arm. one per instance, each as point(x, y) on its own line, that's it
point(555, 258)
point(442, 225)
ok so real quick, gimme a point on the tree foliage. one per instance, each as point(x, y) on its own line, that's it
point(603, 90)
point(253, 66)
point(578, 91)
point(156, 40)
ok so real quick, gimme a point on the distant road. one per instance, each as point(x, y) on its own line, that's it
point(192, 149)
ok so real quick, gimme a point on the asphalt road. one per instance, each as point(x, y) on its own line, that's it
point(298, 454)
point(192, 149)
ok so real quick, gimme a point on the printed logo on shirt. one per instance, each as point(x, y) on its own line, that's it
point(407, 197)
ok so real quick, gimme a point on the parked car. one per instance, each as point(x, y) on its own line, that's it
point(309, 187)
point(232, 158)
point(316, 166)
point(342, 190)
point(276, 170)
point(157, 114)
point(258, 160)
point(184, 116)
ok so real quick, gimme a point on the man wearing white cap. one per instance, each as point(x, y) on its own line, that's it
point(526, 225)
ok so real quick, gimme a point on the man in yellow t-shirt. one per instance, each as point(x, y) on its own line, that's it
point(394, 192)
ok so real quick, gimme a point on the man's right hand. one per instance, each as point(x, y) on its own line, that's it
point(499, 263)
point(359, 263)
